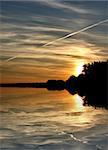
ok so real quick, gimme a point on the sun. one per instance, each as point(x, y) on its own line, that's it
point(79, 67)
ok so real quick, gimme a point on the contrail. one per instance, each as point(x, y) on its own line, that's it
point(76, 32)
point(66, 36)
point(11, 58)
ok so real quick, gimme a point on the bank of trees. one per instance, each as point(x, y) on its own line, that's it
point(92, 83)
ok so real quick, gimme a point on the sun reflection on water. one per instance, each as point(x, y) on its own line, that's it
point(79, 113)
point(78, 103)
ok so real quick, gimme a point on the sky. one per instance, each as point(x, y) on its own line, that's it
point(29, 31)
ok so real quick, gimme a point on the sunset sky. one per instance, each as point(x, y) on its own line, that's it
point(27, 27)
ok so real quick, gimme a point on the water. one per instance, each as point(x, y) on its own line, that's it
point(42, 120)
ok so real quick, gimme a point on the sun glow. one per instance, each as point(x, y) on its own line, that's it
point(79, 101)
point(79, 68)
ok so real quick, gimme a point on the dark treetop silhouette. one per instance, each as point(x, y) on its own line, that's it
point(91, 84)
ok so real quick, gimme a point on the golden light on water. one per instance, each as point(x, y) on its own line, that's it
point(76, 103)
point(79, 102)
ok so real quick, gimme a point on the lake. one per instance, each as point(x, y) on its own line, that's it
point(34, 119)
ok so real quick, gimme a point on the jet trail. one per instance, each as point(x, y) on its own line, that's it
point(74, 33)
point(11, 58)
point(66, 36)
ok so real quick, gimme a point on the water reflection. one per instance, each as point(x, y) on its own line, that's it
point(42, 102)
point(42, 119)
point(79, 102)
point(38, 119)
point(33, 98)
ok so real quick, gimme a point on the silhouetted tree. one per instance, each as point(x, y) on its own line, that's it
point(71, 85)
point(92, 84)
